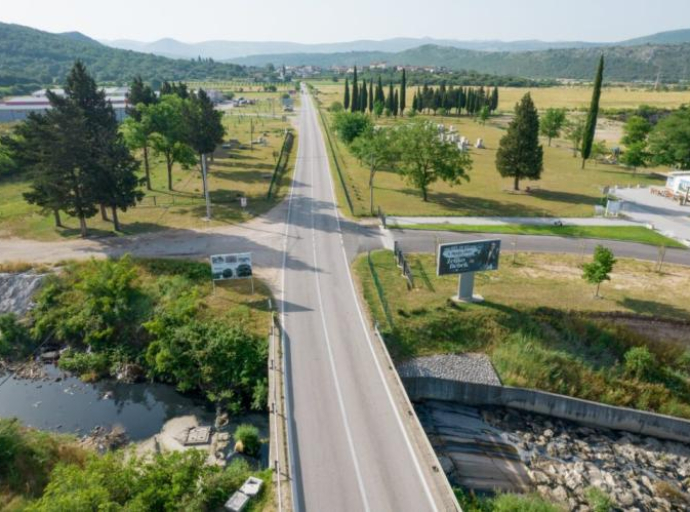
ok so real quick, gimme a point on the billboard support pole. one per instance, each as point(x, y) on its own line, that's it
point(466, 289)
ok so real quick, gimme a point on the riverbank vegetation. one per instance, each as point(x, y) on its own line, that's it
point(607, 350)
point(41, 471)
point(157, 319)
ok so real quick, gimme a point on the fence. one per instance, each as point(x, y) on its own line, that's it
point(402, 263)
point(379, 291)
point(282, 163)
point(335, 160)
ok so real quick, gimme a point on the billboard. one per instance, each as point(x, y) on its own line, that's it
point(231, 266)
point(465, 257)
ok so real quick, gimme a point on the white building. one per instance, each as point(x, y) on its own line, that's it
point(19, 107)
point(678, 181)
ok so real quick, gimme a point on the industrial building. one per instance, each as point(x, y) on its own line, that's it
point(19, 107)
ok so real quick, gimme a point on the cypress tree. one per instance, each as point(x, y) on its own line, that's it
point(414, 103)
point(354, 100)
point(391, 97)
point(396, 103)
point(380, 96)
point(591, 124)
point(520, 155)
point(403, 92)
point(363, 96)
point(346, 97)
point(371, 95)
point(494, 99)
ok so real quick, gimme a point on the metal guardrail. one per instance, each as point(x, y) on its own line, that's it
point(282, 162)
point(335, 160)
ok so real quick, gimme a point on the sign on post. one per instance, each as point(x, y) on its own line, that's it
point(232, 266)
point(466, 258)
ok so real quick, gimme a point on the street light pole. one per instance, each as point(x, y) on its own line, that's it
point(207, 195)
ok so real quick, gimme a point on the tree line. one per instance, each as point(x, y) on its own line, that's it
point(79, 159)
point(445, 100)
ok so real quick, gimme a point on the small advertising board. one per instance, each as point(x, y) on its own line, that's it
point(231, 266)
point(466, 257)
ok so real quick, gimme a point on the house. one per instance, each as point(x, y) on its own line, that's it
point(678, 182)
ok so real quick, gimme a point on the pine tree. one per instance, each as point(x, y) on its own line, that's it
point(363, 97)
point(591, 124)
point(519, 154)
point(141, 94)
point(346, 96)
point(354, 100)
point(403, 92)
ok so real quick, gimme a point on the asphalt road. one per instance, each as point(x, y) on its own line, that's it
point(349, 446)
point(425, 241)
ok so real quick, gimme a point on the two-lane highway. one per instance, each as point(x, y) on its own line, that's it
point(348, 441)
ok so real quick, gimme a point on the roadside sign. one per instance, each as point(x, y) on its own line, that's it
point(231, 266)
point(466, 257)
point(243, 202)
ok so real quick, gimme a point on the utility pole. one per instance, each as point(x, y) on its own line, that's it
point(207, 194)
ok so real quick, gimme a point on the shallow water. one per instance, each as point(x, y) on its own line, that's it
point(73, 406)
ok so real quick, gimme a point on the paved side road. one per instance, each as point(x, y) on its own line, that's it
point(425, 241)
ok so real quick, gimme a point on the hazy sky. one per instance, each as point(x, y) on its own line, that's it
point(312, 21)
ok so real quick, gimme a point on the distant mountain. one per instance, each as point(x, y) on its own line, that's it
point(671, 37)
point(29, 56)
point(232, 50)
point(623, 63)
point(78, 36)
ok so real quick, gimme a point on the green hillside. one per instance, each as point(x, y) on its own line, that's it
point(29, 56)
point(624, 63)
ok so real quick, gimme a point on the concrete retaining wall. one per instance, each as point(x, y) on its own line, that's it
point(559, 406)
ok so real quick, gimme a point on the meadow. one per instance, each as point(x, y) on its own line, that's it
point(565, 342)
point(243, 171)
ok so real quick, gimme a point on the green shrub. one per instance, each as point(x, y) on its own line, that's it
point(350, 125)
point(15, 338)
point(248, 435)
point(598, 500)
point(89, 366)
point(520, 503)
point(336, 106)
point(640, 363)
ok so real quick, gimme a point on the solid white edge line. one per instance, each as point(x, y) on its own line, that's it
point(366, 333)
point(288, 400)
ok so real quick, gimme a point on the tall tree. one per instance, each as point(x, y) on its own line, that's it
point(380, 96)
point(396, 103)
point(136, 133)
point(494, 99)
point(371, 95)
point(669, 142)
point(403, 92)
point(378, 149)
point(75, 154)
point(346, 95)
point(519, 154)
point(205, 131)
point(354, 98)
point(552, 123)
point(169, 138)
point(363, 97)
point(425, 158)
point(391, 98)
point(574, 132)
point(593, 114)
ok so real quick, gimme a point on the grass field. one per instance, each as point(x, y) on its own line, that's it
point(626, 233)
point(564, 190)
point(233, 173)
point(537, 337)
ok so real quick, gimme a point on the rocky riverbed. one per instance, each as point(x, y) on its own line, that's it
point(509, 450)
point(565, 460)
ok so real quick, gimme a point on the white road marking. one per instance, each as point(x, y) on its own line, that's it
point(418, 467)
